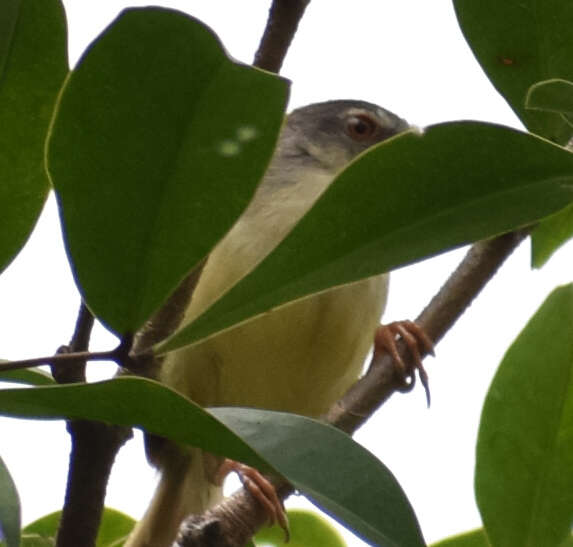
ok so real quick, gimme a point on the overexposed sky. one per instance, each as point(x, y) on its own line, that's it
point(410, 57)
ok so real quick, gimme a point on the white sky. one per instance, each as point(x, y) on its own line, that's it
point(408, 56)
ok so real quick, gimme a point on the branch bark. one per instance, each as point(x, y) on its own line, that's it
point(94, 447)
point(282, 23)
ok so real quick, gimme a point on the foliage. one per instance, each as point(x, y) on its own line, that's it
point(164, 171)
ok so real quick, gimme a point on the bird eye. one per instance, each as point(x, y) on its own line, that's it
point(361, 127)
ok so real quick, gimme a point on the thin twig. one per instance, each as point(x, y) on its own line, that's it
point(60, 358)
point(283, 20)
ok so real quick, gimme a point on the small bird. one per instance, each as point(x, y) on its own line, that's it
point(298, 358)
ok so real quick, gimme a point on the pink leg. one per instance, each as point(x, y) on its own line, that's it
point(259, 487)
point(416, 339)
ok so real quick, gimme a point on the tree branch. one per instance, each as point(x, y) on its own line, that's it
point(219, 527)
point(283, 20)
point(74, 360)
point(94, 444)
point(446, 307)
point(162, 324)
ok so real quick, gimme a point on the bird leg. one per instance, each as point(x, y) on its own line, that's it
point(259, 487)
point(417, 341)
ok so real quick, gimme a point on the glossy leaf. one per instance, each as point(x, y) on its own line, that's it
point(130, 401)
point(336, 473)
point(475, 538)
point(9, 509)
point(551, 96)
point(158, 144)
point(115, 527)
point(9, 12)
point(306, 528)
point(404, 200)
point(519, 44)
point(550, 234)
point(524, 465)
point(31, 376)
point(33, 64)
point(365, 495)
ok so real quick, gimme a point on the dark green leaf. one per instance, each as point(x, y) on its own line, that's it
point(336, 473)
point(519, 44)
point(9, 509)
point(550, 234)
point(404, 200)
point(307, 529)
point(115, 526)
point(32, 376)
point(524, 465)
point(475, 538)
point(158, 144)
point(9, 11)
point(365, 495)
point(551, 96)
point(33, 54)
point(132, 402)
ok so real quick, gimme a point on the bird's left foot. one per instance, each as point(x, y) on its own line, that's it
point(418, 343)
point(259, 487)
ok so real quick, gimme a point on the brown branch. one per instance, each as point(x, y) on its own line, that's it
point(77, 359)
point(161, 325)
point(283, 20)
point(466, 282)
point(234, 521)
point(94, 444)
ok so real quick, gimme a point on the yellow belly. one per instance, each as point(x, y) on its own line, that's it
point(297, 358)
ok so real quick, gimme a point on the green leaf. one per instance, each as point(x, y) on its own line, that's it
point(475, 538)
point(404, 200)
point(45, 527)
point(339, 475)
point(135, 402)
point(551, 96)
point(9, 509)
point(31, 376)
point(33, 540)
point(551, 234)
point(307, 528)
point(524, 461)
point(33, 64)
point(114, 528)
point(365, 495)
point(9, 11)
point(157, 147)
point(519, 44)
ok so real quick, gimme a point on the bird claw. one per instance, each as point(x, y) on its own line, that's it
point(415, 339)
point(260, 488)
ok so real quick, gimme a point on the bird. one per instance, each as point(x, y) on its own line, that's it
point(300, 357)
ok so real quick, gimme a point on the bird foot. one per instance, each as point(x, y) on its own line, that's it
point(260, 488)
point(417, 341)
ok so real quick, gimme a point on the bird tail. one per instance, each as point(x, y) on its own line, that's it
point(184, 489)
